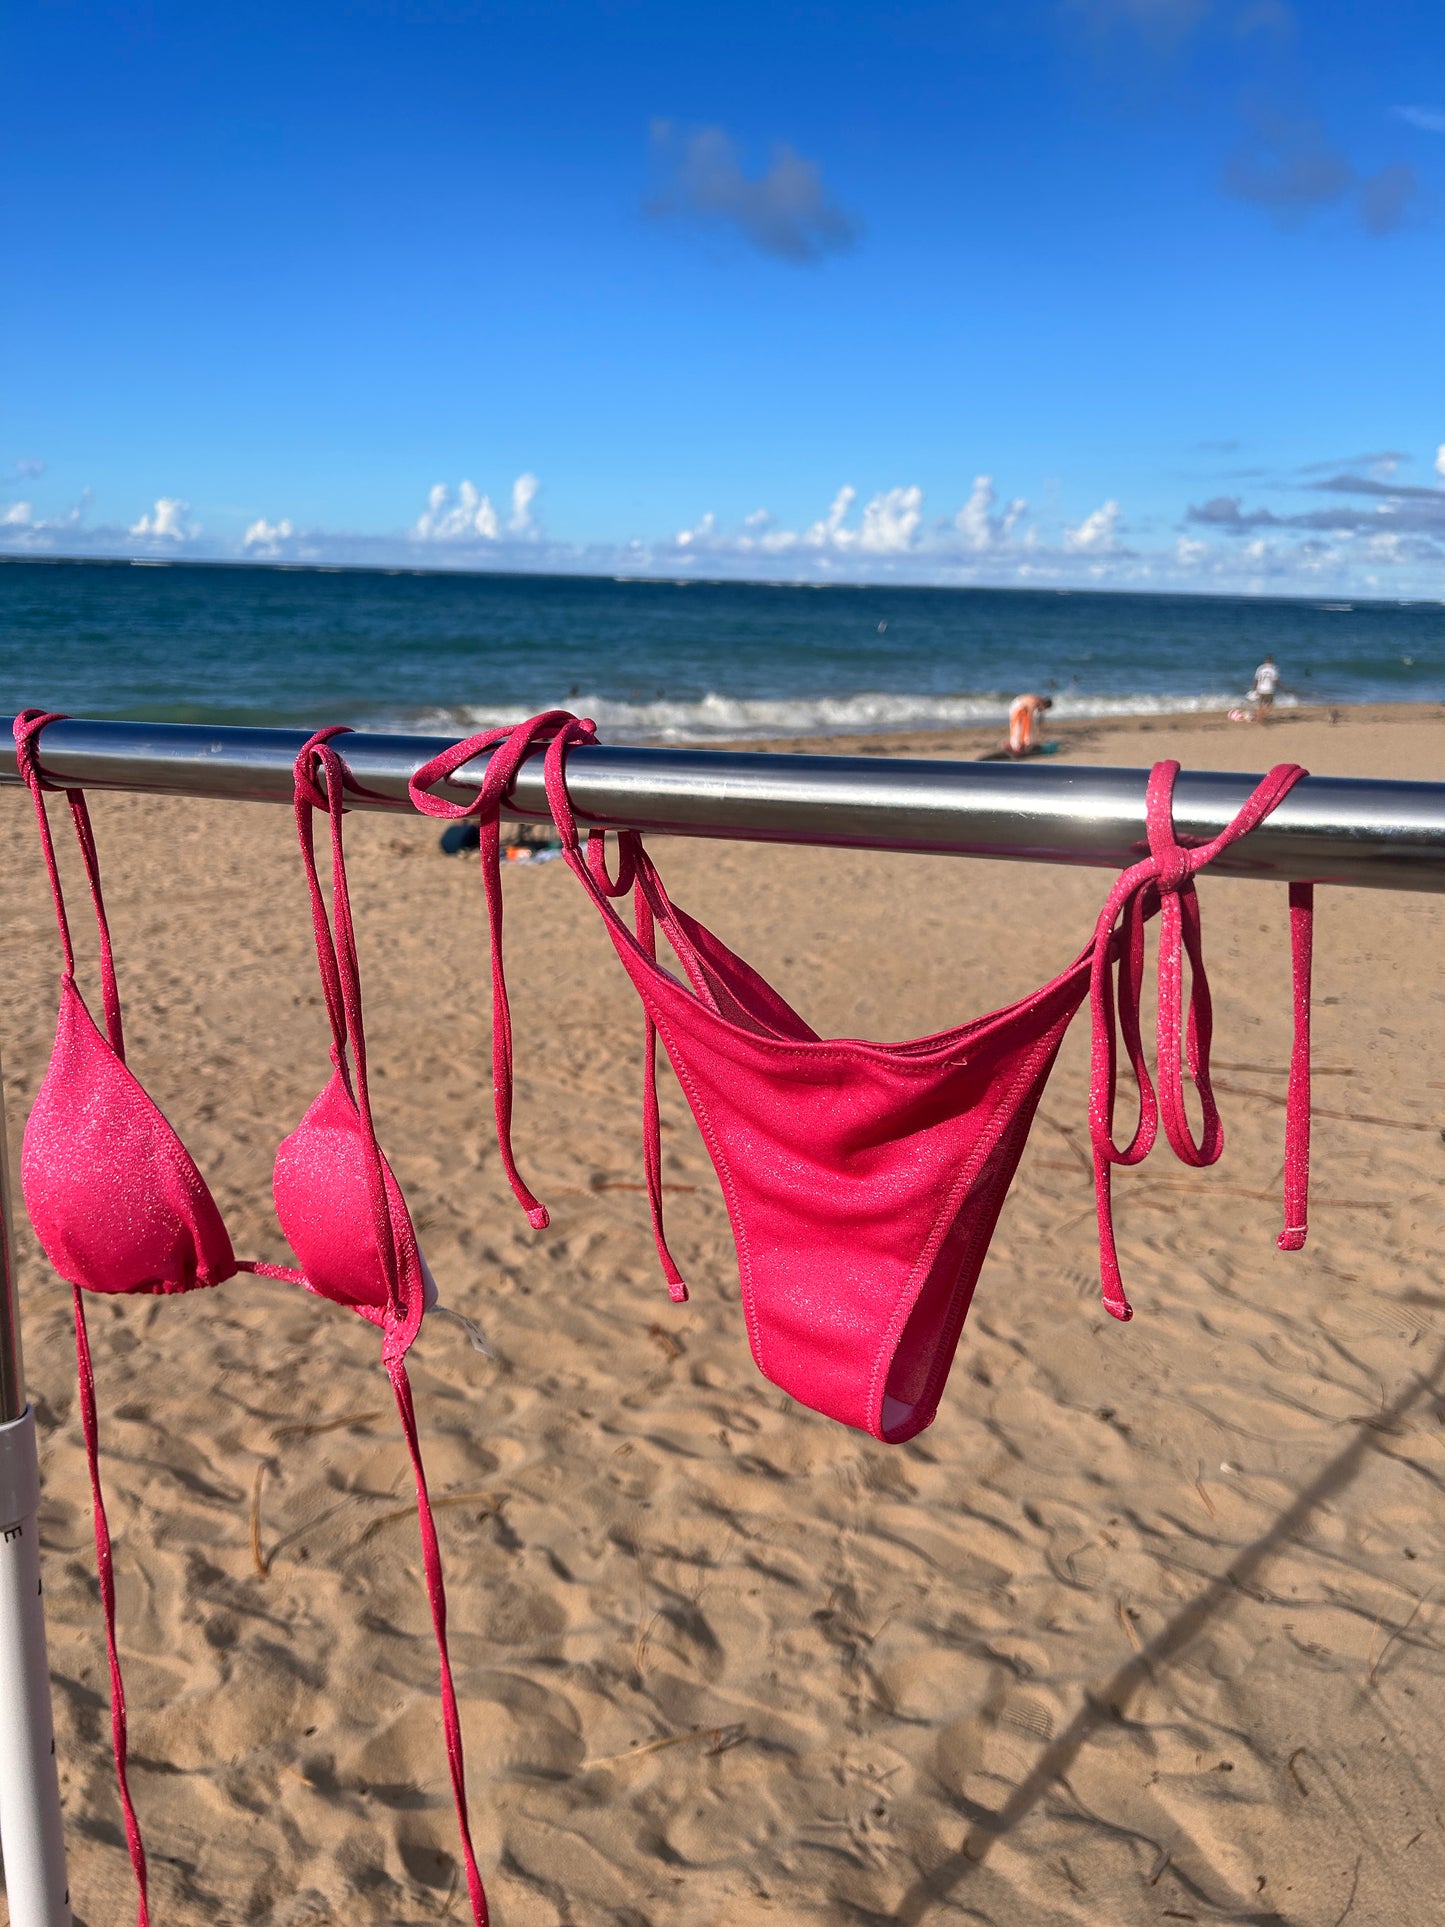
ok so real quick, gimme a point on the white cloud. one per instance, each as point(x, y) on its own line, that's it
point(1097, 534)
point(168, 521)
point(824, 534)
point(266, 538)
point(702, 531)
point(890, 522)
point(524, 493)
point(471, 516)
point(976, 522)
point(1396, 531)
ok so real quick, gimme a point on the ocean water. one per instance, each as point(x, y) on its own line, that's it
point(691, 661)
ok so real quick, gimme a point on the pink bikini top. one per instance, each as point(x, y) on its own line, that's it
point(118, 1204)
point(864, 1180)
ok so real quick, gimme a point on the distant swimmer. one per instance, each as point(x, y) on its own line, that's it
point(1266, 682)
point(1023, 715)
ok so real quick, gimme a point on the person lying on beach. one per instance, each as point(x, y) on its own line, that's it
point(1023, 715)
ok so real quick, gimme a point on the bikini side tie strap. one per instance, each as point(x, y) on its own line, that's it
point(635, 873)
point(510, 748)
point(1164, 880)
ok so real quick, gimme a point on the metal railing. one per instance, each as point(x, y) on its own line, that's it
point(1331, 829)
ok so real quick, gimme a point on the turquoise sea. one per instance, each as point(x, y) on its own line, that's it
point(661, 660)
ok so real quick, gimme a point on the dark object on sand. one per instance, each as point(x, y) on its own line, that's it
point(465, 835)
point(1007, 755)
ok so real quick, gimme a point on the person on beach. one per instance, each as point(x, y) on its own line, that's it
point(1023, 714)
point(1266, 682)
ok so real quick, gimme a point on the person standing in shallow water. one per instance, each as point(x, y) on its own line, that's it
point(1266, 682)
point(1023, 715)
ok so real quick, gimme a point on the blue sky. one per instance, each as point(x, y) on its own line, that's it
point(1132, 292)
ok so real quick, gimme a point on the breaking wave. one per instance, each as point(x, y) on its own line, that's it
point(717, 718)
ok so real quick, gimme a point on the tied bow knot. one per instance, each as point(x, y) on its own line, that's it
point(1164, 882)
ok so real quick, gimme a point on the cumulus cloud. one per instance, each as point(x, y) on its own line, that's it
point(168, 521)
point(25, 530)
point(889, 523)
point(1440, 460)
point(702, 531)
point(1097, 534)
point(981, 529)
point(263, 538)
point(470, 518)
point(785, 211)
point(888, 526)
point(524, 493)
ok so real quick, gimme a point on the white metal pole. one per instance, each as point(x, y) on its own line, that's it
point(32, 1843)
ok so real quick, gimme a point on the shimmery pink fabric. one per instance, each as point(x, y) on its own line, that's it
point(114, 1198)
point(118, 1205)
point(1164, 881)
point(512, 747)
point(345, 1217)
point(116, 1202)
point(864, 1180)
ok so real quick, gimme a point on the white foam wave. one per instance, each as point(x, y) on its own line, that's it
point(718, 718)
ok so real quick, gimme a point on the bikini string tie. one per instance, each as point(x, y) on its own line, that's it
point(340, 969)
point(341, 980)
point(437, 1599)
point(105, 1568)
point(510, 749)
point(1164, 882)
point(633, 869)
point(634, 873)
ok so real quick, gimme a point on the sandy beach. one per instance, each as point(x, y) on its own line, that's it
point(1149, 1626)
